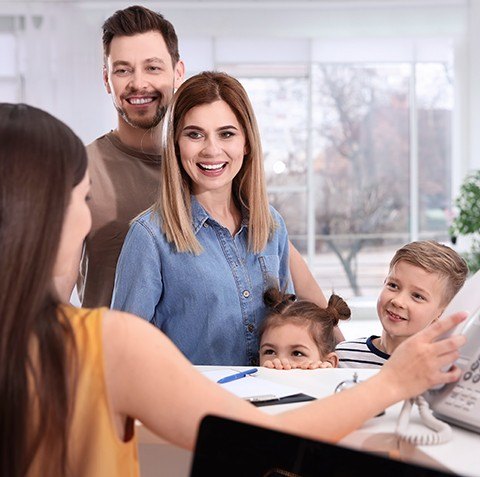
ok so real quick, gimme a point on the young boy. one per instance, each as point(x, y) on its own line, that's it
point(423, 277)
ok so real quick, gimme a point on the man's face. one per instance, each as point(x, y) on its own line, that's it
point(141, 78)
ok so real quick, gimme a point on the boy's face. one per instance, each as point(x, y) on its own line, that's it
point(141, 78)
point(289, 341)
point(410, 300)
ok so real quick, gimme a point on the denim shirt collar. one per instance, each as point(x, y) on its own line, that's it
point(200, 216)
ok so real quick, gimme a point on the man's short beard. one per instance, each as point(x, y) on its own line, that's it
point(146, 123)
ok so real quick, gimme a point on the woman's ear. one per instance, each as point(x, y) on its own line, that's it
point(179, 74)
point(332, 358)
point(246, 148)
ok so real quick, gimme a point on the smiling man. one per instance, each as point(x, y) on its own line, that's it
point(142, 68)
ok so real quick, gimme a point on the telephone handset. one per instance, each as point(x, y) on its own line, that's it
point(459, 403)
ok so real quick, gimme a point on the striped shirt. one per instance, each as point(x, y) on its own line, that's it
point(360, 353)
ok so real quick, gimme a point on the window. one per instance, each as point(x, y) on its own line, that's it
point(358, 161)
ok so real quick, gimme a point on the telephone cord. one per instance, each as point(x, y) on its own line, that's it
point(441, 431)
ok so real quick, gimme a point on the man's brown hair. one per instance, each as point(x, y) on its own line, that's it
point(136, 19)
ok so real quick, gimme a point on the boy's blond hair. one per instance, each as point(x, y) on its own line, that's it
point(434, 257)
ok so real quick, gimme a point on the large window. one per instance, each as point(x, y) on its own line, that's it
point(358, 162)
point(281, 106)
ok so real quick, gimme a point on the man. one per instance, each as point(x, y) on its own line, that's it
point(142, 68)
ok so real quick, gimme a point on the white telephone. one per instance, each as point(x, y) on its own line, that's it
point(459, 403)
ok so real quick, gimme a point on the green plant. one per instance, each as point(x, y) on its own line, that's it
point(467, 221)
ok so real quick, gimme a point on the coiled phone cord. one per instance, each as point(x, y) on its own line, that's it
point(441, 431)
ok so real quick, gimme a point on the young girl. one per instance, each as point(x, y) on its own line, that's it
point(300, 334)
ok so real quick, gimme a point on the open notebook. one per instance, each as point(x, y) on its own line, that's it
point(258, 391)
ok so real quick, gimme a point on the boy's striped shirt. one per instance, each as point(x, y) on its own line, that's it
point(360, 353)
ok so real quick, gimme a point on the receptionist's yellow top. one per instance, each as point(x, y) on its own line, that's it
point(94, 448)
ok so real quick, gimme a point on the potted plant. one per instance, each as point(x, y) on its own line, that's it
point(467, 220)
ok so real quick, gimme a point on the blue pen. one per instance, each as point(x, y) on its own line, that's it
point(235, 376)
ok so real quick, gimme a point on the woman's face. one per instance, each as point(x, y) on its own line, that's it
point(76, 225)
point(212, 147)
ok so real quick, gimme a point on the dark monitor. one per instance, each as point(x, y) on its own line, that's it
point(229, 448)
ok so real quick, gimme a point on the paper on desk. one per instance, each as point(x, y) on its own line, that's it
point(251, 386)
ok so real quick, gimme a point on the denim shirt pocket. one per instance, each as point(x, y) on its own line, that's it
point(270, 266)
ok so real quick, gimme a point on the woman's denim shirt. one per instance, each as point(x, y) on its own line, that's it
point(210, 305)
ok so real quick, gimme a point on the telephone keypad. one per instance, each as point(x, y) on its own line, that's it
point(466, 396)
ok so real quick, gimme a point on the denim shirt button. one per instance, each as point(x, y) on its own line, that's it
point(250, 328)
point(205, 224)
point(246, 293)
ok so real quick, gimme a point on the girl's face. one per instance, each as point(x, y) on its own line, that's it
point(290, 341)
point(212, 147)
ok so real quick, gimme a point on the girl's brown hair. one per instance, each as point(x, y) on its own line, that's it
point(249, 189)
point(320, 321)
point(41, 160)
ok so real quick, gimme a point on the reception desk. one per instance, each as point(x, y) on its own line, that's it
point(460, 455)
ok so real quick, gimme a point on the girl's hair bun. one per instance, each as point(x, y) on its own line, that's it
point(338, 309)
point(277, 300)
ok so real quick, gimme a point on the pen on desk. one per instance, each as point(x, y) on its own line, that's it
point(262, 398)
point(238, 375)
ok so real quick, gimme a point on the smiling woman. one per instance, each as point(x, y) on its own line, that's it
point(197, 264)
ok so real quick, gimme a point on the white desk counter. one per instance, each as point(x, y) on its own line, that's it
point(377, 435)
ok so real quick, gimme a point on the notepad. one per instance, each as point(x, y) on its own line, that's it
point(258, 391)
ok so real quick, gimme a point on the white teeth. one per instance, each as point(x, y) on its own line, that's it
point(140, 100)
point(398, 317)
point(212, 167)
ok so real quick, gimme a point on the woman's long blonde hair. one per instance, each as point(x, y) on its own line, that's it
point(249, 190)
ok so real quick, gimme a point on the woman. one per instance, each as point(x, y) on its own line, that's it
point(198, 263)
point(71, 380)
